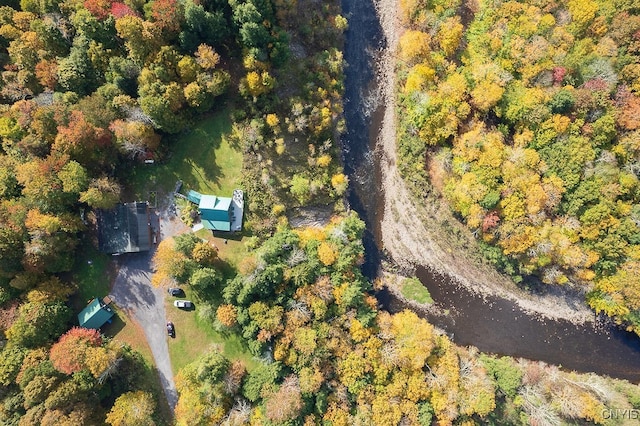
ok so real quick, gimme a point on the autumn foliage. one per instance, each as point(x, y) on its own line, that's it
point(70, 353)
point(533, 127)
point(98, 8)
point(335, 359)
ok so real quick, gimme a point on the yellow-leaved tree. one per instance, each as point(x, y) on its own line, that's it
point(132, 409)
point(450, 35)
point(414, 46)
point(167, 263)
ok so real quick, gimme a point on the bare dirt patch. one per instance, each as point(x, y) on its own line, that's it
point(426, 233)
point(318, 216)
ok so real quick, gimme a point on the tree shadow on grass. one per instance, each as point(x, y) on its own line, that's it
point(235, 236)
point(199, 162)
point(164, 412)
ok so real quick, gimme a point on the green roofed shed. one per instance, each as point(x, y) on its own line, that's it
point(96, 314)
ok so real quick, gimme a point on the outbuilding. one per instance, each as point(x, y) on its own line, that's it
point(96, 314)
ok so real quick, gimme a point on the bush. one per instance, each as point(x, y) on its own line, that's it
point(505, 373)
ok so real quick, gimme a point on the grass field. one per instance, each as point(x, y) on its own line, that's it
point(91, 273)
point(412, 289)
point(203, 159)
point(195, 337)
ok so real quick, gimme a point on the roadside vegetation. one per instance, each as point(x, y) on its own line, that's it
point(524, 117)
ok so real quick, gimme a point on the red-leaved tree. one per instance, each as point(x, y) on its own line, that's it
point(69, 354)
point(98, 8)
point(118, 10)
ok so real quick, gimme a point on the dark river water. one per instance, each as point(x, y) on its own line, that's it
point(491, 324)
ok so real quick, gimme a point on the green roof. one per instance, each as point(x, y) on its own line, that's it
point(219, 213)
point(212, 202)
point(194, 197)
point(214, 212)
point(95, 314)
point(216, 225)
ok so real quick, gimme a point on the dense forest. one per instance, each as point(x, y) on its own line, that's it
point(525, 117)
point(328, 356)
point(90, 89)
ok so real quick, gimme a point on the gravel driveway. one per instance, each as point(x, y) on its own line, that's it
point(132, 291)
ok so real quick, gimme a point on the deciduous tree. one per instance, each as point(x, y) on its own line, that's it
point(132, 408)
point(103, 193)
point(69, 354)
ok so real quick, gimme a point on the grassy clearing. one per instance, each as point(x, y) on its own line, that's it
point(412, 289)
point(124, 329)
point(203, 159)
point(91, 273)
point(231, 253)
point(195, 337)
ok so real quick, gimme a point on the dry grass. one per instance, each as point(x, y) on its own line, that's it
point(126, 330)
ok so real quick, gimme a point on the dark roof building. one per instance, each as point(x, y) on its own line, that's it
point(96, 314)
point(124, 229)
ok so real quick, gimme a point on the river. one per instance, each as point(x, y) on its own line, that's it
point(491, 324)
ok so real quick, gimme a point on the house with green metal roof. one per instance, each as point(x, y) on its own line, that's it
point(219, 213)
point(96, 314)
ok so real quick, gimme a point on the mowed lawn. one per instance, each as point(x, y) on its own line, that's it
point(91, 273)
point(203, 159)
point(195, 337)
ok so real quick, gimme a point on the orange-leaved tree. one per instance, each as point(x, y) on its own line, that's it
point(69, 354)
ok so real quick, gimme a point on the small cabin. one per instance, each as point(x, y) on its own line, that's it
point(96, 314)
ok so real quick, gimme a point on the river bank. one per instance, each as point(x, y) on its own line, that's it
point(427, 234)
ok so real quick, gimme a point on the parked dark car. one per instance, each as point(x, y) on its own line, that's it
point(175, 291)
point(182, 304)
point(171, 330)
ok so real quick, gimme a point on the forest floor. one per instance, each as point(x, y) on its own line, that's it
point(426, 233)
